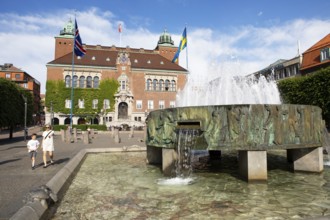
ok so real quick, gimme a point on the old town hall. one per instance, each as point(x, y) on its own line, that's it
point(112, 85)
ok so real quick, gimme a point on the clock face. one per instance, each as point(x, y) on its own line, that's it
point(123, 59)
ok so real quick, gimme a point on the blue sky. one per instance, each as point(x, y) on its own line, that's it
point(223, 36)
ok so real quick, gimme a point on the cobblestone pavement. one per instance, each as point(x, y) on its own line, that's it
point(16, 176)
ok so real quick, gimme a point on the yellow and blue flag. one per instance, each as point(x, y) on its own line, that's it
point(182, 45)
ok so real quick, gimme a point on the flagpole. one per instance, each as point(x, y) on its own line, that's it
point(187, 49)
point(120, 30)
point(72, 90)
point(119, 39)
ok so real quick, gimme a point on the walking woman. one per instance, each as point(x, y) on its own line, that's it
point(48, 145)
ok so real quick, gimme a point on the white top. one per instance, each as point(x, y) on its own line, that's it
point(33, 145)
point(48, 142)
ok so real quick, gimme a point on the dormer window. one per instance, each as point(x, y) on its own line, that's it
point(149, 62)
point(93, 58)
point(78, 57)
point(135, 61)
point(325, 54)
point(161, 62)
point(108, 59)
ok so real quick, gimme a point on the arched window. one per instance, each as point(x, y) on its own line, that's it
point(161, 85)
point(89, 82)
point(167, 85)
point(148, 84)
point(75, 80)
point(67, 81)
point(173, 85)
point(154, 84)
point(96, 82)
point(82, 82)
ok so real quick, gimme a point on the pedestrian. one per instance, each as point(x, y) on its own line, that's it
point(33, 146)
point(48, 145)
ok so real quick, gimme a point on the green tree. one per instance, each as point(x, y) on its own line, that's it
point(12, 111)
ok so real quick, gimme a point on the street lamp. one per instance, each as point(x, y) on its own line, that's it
point(51, 114)
point(25, 115)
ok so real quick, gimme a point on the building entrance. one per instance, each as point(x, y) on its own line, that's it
point(122, 110)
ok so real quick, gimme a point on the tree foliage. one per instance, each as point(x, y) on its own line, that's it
point(12, 110)
point(313, 89)
point(57, 93)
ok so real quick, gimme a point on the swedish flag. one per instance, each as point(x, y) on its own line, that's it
point(182, 45)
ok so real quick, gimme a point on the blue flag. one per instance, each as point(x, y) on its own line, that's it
point(78, 48)
point(183, 44)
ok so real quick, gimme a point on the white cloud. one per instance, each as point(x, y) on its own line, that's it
point(27, 41)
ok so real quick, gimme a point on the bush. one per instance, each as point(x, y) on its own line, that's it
point(313, 89)
point(82, 127)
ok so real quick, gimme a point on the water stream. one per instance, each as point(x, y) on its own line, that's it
point(183, 167)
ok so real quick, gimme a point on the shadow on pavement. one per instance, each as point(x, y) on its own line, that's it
point(59, 161)
point(8, 161)
point(9, 148)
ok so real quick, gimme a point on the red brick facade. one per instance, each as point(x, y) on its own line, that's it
point(24, 80)
point(149, 79)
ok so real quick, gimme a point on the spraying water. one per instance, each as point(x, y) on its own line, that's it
point(224, 87)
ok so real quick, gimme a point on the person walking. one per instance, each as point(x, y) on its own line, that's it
point(33, 146)
point(48, 145)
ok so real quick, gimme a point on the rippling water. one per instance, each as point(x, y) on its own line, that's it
point(123, 186)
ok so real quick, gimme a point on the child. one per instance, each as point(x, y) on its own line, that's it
point(32, 146)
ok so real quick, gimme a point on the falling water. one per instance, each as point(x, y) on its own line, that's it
point(183, 168)
point(186, 141)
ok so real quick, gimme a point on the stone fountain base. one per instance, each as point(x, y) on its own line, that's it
point(249, 129)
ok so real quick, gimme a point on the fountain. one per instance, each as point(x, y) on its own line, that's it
point(251, 121)
point(121, 185)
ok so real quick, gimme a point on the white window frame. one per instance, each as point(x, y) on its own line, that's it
point(161, 104)
point(95, 103)
point(138, 104)
point(172, 104)
point(67, 103)
point(106, 104)
point(122, 85)
point(150, 104)
point(81, 103)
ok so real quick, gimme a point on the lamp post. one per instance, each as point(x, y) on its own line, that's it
point(51, 114)
point(25, 115)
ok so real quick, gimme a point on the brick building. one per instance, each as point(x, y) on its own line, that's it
point(317, 56)
point(26, 81)
point(148, 80)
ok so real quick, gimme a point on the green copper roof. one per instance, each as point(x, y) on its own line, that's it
point(68, 30)
point(165, 39)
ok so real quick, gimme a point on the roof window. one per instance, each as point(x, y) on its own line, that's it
point(325, 54)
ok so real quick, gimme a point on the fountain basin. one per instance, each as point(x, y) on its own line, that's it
point(250, 129)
